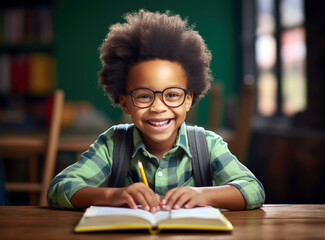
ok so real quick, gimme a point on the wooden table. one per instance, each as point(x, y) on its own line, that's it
point(269, 222)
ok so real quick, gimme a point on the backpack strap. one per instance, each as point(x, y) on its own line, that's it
point(200, 156)
point(123, 138)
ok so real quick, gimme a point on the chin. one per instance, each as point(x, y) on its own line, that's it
point(159, 138)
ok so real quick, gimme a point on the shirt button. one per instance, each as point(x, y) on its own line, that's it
point(145, 154)
point(160, 173)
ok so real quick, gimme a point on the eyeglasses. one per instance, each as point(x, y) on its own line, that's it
point(145, 97)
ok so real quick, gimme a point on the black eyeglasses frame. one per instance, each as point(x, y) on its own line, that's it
point(154, 96)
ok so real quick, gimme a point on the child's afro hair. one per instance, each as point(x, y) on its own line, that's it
point(153, 35)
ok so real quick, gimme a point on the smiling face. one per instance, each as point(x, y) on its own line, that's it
point(158, 123)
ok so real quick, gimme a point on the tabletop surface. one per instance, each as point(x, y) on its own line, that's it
point(269, 222)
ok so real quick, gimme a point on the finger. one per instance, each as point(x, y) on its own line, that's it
point(167, 196)
point(157, 197)
point(140, 199)
point(171, 200)
point(191, 203)
point(182, 199)
point(152, 200)
point(157, 202)
point(130, 201)
point(146, 197)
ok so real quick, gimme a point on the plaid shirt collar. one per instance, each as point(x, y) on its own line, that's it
point(181, 141)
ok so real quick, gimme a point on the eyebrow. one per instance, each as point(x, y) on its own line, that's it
point(177, 86)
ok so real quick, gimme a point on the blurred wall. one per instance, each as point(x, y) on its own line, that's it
point(80, 27)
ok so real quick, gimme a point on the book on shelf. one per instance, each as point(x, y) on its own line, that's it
point(23, 25)
point(5, 74)
point(33, 73)
point(20, 73)
point(98, 218)
point(42, 74)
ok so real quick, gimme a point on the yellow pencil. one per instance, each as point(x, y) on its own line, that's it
point(143, 175)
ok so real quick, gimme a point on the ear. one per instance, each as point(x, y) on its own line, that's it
point(188, 100)
point(124, 103)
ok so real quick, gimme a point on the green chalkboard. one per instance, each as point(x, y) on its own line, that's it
point(80, 26)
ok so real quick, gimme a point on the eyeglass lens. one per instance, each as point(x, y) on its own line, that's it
point(172, 97)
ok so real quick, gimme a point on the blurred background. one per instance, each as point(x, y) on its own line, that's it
point(277, 47)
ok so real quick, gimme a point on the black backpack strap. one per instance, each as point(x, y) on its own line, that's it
point(200, 156)
point(123, 145)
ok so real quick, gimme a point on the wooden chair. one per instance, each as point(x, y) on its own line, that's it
point(215, 95)
point(215, 107)
point(30, 147)
point(238, 139)
point(191, 116)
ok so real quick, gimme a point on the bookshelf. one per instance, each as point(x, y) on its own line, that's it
point(27, 63)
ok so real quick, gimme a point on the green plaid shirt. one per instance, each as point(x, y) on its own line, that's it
point(174, 169)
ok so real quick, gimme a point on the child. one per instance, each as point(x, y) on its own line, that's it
point(155, 67)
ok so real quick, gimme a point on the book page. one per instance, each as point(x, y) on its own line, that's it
point(159, 216)
point(95, 211)
point(199, 218)
point(198, 212)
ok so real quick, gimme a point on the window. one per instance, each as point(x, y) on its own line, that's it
point(280, 55)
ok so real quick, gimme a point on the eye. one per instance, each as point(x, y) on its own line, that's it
point(172, 95)
point(143, 96)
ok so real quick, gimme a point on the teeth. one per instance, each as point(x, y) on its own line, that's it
point(158, 123)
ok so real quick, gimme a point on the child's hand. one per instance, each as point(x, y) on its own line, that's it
point(137, 193)
point(186, 197)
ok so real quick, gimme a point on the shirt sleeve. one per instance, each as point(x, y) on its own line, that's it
point(92, 170)
point(226, 169)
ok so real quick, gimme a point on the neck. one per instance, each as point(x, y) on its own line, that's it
point(158, 149)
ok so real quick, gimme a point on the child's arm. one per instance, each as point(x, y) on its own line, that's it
point(84, 183)
point(133, 195)
point(226, 196)
point(235, 186)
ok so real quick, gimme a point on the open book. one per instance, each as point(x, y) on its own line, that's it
point(115, 218)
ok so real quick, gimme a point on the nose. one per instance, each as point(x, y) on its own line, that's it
point(158, 105)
